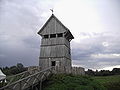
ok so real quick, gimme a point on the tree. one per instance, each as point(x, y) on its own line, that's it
point(116, 71)
point(14, 69)
point(90, 72)
point(20, 67)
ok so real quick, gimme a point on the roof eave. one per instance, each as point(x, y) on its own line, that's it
point(53, 16)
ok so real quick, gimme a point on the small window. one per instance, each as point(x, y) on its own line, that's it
point(69, 51)
point(53, 63)
point(60, 35)
point(46, 36)
point(52, 35)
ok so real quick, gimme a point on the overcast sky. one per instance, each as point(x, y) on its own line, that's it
point(95, 25)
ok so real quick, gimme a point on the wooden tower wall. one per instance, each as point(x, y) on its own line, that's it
point(54, 49)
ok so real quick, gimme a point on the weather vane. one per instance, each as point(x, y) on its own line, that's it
point(52, 10)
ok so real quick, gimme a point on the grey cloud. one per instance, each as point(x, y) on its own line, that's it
point(32, 42)
point(20, 20)
point(83, 51)
point(96, 63)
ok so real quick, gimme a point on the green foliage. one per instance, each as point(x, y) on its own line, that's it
point(13, 69)
point(70, 82)
point(115, 71)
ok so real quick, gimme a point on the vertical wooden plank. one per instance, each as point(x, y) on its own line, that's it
point(57, 48)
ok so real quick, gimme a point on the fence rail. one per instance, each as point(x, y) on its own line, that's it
point(25, 80)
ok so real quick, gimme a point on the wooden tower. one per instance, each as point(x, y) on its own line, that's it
point(55, 45)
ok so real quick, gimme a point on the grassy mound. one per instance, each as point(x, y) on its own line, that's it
point(70, 82)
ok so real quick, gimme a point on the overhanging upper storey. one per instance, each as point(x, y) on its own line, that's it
point(54, 28)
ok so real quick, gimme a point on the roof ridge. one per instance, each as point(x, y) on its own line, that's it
point(53, 16)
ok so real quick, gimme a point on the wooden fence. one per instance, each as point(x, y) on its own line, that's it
point(31, 79)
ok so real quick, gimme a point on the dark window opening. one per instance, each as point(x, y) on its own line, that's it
point(46, 36)
point(52, 35)
point(60, 35)
point(53, 63)
point(67, 39)
point(69, 51)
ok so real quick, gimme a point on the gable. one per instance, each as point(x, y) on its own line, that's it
point(52, 26)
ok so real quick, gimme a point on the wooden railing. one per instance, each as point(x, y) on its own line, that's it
point(27, 80)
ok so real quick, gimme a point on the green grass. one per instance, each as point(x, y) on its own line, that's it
point(70, 82)
point(110, 82)
point(107, 79)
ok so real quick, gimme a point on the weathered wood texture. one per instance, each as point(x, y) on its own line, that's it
point(60, 62)
point(55, 41)
point(57, 48)
point(78, 71)
point(28, 82)
point(69, 70)
point(55, 51)
point(53, 27)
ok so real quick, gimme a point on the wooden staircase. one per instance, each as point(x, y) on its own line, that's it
point(28, 80)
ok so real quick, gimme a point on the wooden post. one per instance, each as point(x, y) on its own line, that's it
point(20, 86)
point(40, 85)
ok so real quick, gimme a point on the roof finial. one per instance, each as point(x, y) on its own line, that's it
point(52, 10)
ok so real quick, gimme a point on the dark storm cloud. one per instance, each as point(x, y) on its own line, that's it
point(20, 20)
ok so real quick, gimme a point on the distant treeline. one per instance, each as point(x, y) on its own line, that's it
point(13, 69)
point(115, 71)
point(20, 68)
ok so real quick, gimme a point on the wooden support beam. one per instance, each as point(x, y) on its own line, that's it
point(26, 82)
